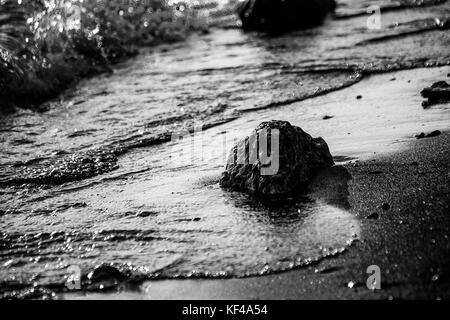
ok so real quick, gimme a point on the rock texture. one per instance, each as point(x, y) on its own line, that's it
point(279, 15)
point(299, 157)
point(439, 92)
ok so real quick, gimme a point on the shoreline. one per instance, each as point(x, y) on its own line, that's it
point(407, 239)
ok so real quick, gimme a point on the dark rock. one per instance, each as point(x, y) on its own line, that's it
point(282, 15)
point(432, 134)
point(386, 206)
point(359, 97)
point(435, 133)
point(105, 272)
point(438, 93)
point(420, 136)
point(104, 277)
point(299, 158)
point(328, 117)
point(373, 216)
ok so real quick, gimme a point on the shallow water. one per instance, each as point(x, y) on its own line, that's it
point(96, 178)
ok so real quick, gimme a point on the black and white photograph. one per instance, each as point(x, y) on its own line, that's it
point(224, 150)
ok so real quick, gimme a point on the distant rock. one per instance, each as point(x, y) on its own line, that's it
point(282, 15)
point(432, 134)
point(439, 92)
point(298, 158)
point(105, 272)
point(327, 117)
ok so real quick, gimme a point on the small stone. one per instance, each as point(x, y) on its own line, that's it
point(438, 93)
point(373, 216)
point(351, 284)
point(359, 97)
point(435, 278)
point(328, 117)
point(420, 135)
point(105, 272)
point(435, 133)
point(432, 134)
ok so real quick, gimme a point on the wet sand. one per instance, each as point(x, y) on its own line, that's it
point(408, 241)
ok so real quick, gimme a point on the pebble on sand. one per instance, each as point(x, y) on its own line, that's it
point(373, 216)
point(432, 134)
point(438, 93)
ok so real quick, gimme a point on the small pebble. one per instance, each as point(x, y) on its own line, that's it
point(374, 215)
point(432, 134)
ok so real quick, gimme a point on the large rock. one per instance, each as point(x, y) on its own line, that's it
point(279, 15)
point(287, 169)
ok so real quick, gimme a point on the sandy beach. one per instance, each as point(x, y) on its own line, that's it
point(400, 196)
